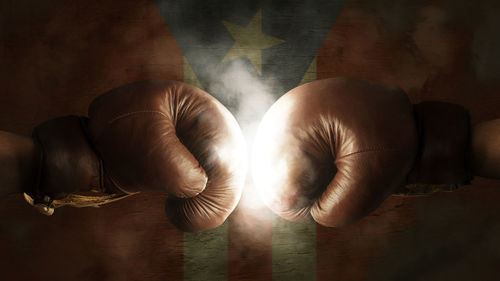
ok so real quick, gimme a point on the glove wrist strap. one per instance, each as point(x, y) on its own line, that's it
point(444, 136)
point(69, 171)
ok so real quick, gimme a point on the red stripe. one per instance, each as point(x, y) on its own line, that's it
point(58, 56)
point(355, 47)
point(427, 50)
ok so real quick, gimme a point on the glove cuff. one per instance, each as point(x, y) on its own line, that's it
point(444, 139)
point(68, 165)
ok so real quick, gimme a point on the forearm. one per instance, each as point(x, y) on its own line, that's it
point(18, 163)
point(485, 149)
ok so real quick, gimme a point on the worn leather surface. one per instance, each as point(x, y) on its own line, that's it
point(68, 162)
point(338, 147)
point(151, 135)
point(444, 140)
point(174, 137)
point(334, 149)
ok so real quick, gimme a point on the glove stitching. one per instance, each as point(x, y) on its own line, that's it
point(368, 150)
point(128, 114)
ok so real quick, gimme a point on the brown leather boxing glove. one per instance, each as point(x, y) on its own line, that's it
point(334, 149)
point(150, 135)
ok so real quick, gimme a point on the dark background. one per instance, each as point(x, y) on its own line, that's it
point(56, 56)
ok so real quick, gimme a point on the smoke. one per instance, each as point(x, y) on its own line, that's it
point(245, 94)
point(248, 96)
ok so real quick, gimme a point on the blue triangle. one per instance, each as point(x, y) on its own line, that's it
point(198, 29)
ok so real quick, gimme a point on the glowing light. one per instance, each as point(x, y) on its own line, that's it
point(253, 100)
point(234, 151)
point(269, 163)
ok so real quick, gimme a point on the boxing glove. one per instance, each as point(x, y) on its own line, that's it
point(334, 149)
point(149, 135)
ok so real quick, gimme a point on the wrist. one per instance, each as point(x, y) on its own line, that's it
point(19, 159)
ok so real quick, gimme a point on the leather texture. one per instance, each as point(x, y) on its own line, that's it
point(68, 163)
point(151, 135)
point(444, 140)
point(334, 149)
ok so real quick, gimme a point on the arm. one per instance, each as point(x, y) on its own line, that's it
point(18, 163)
point(485, 149)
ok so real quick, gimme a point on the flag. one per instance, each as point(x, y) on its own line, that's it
point(57, 56)
point(247, 55)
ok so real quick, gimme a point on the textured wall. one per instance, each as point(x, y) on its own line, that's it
point(56, 56)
